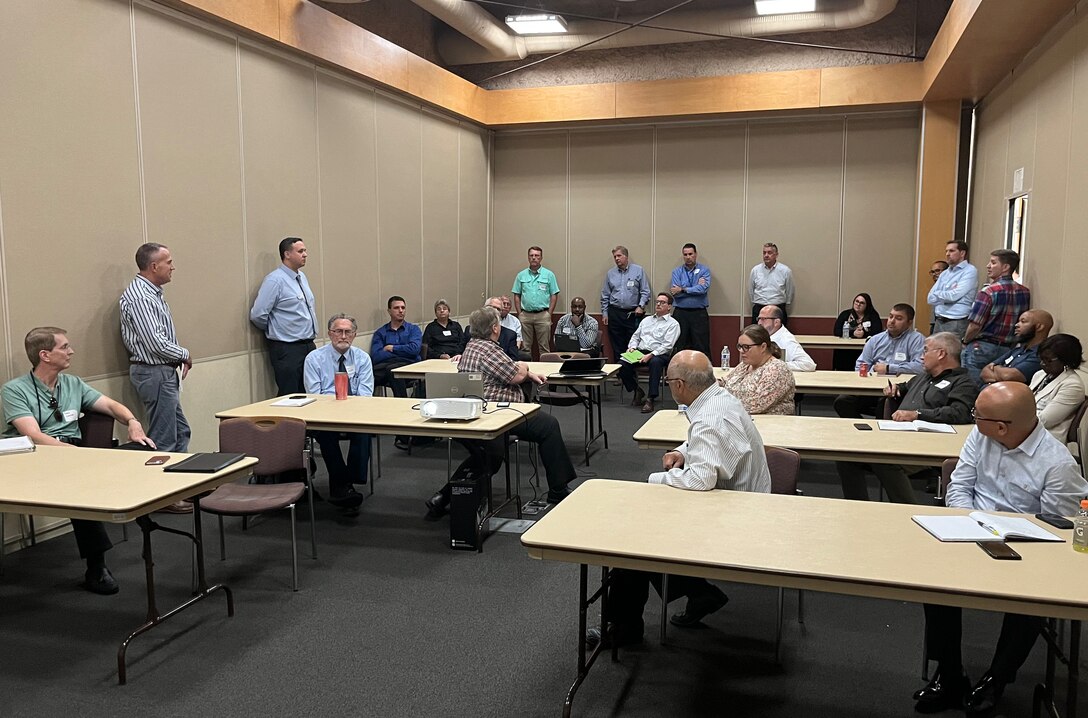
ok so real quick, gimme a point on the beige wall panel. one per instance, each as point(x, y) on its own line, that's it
point(879, 209)
point(214, 386)
point(1071, 316)
point(474, 186)
point(794, 199)
point(1022, 129)
point(699, 198)
point(611, 202)
point(10, 361)
point(349, 211)
point(279, 137)
point(441, 244)
point(988, 215)
point(530, 208)
point(69, 171)
point(400, 229)
point(189, 128)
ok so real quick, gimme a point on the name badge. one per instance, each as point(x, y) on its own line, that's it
point(630, 283)
point(350, 368)
point(543, 286)
point(866, 324)
point(568, 330)
point(1010, 359)
point(447, 333)
point(71, 415)
point(696, 271)
point(900, 356)
point(943, 384)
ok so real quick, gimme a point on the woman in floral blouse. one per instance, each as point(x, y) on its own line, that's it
point(762, 381)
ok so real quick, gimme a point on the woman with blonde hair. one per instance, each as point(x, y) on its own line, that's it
point(762, 381)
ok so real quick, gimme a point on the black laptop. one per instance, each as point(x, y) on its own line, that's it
point(206, 463)
point(566, 343)
point(588, 368)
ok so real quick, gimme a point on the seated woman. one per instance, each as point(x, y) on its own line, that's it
point(762, 381)
point(861, 321)
point(442, 337)
point(1058, 388)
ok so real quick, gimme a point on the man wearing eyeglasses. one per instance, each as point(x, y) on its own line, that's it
point(322, 365)
point(1010, 462)
point(723, 451)
point(944, 394)
point(45, 405)
point(655, 337)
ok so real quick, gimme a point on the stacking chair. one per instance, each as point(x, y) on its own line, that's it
point(1078, 434)
point(279, 443)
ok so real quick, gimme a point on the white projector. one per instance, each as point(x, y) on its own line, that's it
point(459, 409)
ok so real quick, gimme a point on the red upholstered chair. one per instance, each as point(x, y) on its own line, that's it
point(280, 445)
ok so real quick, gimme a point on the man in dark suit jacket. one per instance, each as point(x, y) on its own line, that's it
point(508, 338)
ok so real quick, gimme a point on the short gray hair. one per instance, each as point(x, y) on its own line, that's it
point(697, 379)
point(441, 303)
point(146, 254)
point(341, 315)
point(950, 343)
point(482, 321)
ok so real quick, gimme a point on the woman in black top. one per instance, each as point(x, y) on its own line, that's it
point(442, 337)
point(861, 321)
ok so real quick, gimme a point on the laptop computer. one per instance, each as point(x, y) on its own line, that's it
point(566, 343)
point(582, 368)
point(454, 385)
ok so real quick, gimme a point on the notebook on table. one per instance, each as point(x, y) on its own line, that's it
point(981, 526)
point(205, 463)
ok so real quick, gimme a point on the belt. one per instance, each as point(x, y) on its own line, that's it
point(73, 440)
point(293, 341)
point(143, 363)
point(622, 309)
point(949, 319)
point(533, 311)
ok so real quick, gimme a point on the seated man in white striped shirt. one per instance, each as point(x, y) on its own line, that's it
point(723, 451)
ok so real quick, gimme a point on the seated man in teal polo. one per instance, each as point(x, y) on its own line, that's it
point(45, 405)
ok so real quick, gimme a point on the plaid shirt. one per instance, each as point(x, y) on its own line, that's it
point(485, 356)
point(997, 307)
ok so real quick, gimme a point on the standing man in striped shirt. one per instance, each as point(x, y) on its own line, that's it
point(147, 329)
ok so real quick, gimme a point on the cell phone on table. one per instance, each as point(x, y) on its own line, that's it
point(863, 427)
point(999, 550)
point(1058, 522)
point(156, 461)
point(297, 396)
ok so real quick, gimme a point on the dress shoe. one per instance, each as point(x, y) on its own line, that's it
point(982, 701)
point(100, 581)
point(555, 497)
point(942, 694)
point(178, 507)
point(402, 444)
point(437, 506)
point(698, 608)
point(350, 499)
point(618, 636)
point(648, 407)
point(639, 397)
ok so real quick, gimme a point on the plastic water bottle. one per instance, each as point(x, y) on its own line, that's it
point(846, 329)
point(1080, 528)
point(725, 356)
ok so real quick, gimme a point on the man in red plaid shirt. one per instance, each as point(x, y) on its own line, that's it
point(991, 327)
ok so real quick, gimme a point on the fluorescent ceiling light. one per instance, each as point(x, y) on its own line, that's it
point(537, 24)
point(782, 7)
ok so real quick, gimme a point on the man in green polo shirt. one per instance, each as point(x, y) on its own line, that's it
point(535, 293)
point(45, 405)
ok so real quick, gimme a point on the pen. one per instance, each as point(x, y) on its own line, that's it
point(988, 528)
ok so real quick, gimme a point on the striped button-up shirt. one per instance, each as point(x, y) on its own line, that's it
point(147, 329)
point(723, 450)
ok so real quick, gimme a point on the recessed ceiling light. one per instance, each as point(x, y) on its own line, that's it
point(782, 7)
point(537, 24)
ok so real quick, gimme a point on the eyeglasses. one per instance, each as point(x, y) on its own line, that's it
point(977, 418)
point(669, 381)
point(54, 406)
point(342, 332)
point(660, 301)
point(742, 348)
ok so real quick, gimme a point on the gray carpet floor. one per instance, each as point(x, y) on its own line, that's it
point(391, 622)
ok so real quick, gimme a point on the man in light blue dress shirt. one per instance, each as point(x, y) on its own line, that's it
point(897, 350)
point(689, 286)
point(624, 295)
point(953, 293)
point(322, 366)
point(284, 311)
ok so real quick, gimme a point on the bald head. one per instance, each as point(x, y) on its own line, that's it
point(695, 373)
point(1005, 412)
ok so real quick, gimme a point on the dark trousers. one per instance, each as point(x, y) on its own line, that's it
point(757, 307)
point(342, 474)
point(852, 407)
point(621, 325)
point(383, 375)
point(694, 330)
point(657, 366)
point(91, 538)
point(541, 429)
point(287, 360)
point(944, 624)
point(629, 591)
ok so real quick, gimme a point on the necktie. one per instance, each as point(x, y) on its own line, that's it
point(342, 367)
point(302, 291)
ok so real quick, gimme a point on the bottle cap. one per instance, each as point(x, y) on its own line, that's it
point(1084, 503)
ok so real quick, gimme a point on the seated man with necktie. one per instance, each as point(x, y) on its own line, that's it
point(319, 376)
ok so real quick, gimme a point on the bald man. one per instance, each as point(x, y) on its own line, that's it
point(723, 451)
point(1022, 361)
point(1010, 462)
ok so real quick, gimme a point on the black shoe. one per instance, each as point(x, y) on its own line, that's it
point(402, 444)
point(698, 608)
point(982, 701)
point(100, 581)
point(555, 497)
point(618, 636)
point(639, 397)
point(942, 694)
point(437, 506)
point(349, 500)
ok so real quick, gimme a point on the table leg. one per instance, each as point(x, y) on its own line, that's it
point(154, 617)
point(1043, 696)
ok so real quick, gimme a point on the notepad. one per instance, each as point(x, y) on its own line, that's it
point(916, 425)
point(632, 357)
point(981, 526)
point(294, 402)
point(16, 445)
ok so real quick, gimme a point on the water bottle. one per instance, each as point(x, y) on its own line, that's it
point(1080, 528)
point(725, 356)
point(846, 329)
